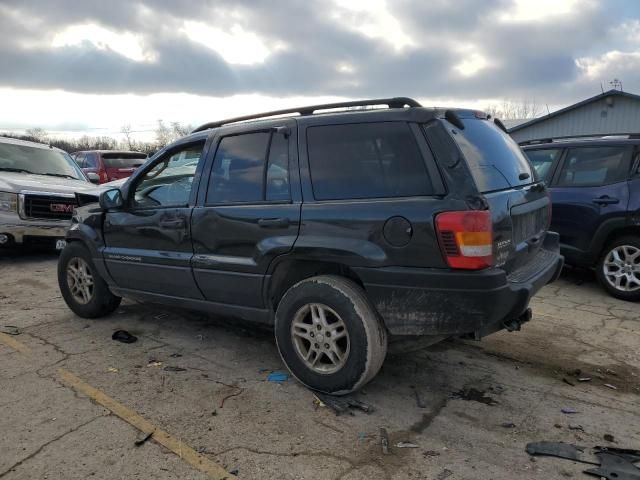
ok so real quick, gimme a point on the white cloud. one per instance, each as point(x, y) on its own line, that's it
point(471, 65)
point(538, 10)
point(373, 19)
point(236, 46)
point(609, 65)
point(126, 44)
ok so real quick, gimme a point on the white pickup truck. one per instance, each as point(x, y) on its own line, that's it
point(38, 186)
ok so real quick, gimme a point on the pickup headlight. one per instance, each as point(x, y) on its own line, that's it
point(8, 202)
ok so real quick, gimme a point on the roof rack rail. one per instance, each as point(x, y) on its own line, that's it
point(396, 102)
point(569, 138)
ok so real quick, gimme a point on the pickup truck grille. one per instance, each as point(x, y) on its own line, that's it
point(48, 207)
point(526, 225)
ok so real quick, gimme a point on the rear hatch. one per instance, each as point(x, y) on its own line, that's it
point(519, 204)
point(121, 164)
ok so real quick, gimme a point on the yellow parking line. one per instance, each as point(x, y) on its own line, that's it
point(185, 452)
point(11, 342)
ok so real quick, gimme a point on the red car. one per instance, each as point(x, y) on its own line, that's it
point(109, 164)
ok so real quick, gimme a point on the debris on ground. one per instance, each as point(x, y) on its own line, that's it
point(238, 391)
point(584, 379)
point(569, 410)
point(419, 402)
point(446, 473)
point(10, 330)
point(556, 449)
point(471, 394)
point(568, 382)
point(613, 463)
point(112, 370)
point(384, 441)
point(170, 368)
point(578, 428)
point(612, 387)
point(143, 438)
point(508, 425)
point(609, 438)
point(406, 445)
point(154, 363)
point(175, 355)
point(278, 377)
point(430, 453)
point(124, 336)
point(341, 404)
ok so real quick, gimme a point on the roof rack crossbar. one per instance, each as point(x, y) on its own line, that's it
point(396, 102)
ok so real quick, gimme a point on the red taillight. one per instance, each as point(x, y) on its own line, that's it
point(466, 238)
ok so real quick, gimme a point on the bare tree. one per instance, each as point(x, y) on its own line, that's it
point(37, 134)
point(167, 134)
point(126, 131)
point(511, 110)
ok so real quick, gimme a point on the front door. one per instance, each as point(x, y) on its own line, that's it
point(589, 188)
point(250, 215)
point(148, 242)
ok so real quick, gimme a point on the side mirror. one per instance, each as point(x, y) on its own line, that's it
point(111, 199)
point(93, 177)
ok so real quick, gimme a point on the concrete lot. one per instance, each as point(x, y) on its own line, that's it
point(56, 375)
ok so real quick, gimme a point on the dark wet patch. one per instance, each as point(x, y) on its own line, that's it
point(473, 395)
point(428, 418)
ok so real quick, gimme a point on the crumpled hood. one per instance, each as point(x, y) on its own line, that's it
point(18, 182)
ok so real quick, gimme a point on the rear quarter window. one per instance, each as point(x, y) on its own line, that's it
point(543, 161)
point(122, 160)
point(366, 160)
point(494, 158)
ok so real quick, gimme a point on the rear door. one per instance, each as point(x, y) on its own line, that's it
point(148, 243)
point(589, 187)
point(518, 201)
point(249, 213)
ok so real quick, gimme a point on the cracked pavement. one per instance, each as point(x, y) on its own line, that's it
point(275, 430)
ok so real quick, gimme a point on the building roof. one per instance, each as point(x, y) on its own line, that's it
point(609, 93)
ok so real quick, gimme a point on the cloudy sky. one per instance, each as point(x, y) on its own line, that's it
point(94, 65)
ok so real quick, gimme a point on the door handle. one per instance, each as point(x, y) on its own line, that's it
point(605, 200)
point(172, 224)
point(273, 222)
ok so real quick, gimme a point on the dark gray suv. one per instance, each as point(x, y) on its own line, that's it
point(339, 228)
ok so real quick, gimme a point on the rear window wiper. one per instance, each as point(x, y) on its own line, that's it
point(11, 169)
point(63, 175)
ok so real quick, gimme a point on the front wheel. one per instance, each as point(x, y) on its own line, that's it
point(329, 335)
point(83, 290)
point(619, 268)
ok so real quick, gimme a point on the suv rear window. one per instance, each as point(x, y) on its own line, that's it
point(123, 160)
point(366, 160)
point(495, 160)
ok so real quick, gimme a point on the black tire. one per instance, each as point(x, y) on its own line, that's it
point(634, 243)
point(367, 335)
point(101, 301)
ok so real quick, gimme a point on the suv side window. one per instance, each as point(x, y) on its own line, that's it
point(79, 158)
point(543, 161)
point(169, 182)
point(593, 166)
point(243, 170)
point(366, 160)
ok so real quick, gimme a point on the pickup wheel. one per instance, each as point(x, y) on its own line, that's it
point(329, 335)
point(619, 268)
point(86, 293)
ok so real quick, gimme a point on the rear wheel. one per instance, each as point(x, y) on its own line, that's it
point(83, 290)
point(329, 335)
point(619, 268)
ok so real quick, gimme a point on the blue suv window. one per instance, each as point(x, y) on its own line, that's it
point(592, 166)
point(543, 160)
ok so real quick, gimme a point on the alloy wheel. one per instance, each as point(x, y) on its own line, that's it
point(320, 338)
point(621, 268)
point(80, 280)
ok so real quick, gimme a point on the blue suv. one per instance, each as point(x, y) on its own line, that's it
point(595, 191)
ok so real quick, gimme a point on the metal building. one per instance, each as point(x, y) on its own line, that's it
point(612, 112)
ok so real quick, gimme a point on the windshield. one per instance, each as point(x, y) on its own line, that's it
point(495, 160)
point(123, 160)
point(41, 161)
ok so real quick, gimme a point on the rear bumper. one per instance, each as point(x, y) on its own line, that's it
point(422, 301)
point(17, 228)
